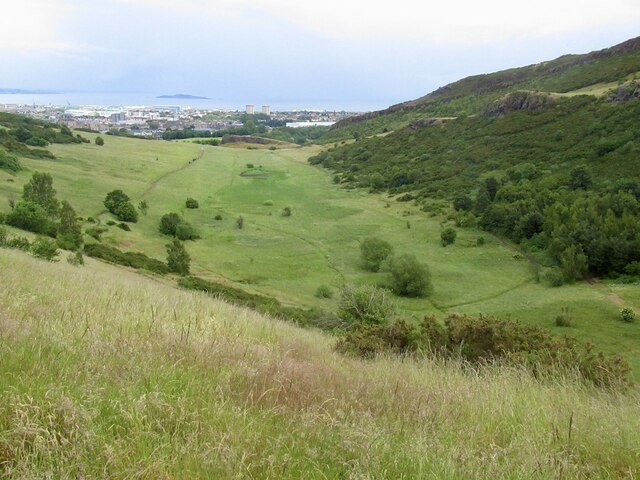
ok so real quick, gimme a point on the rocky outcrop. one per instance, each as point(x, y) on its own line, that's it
point(529, 101)
point(626, 92)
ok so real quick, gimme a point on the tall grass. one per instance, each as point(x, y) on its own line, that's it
point(107, 374)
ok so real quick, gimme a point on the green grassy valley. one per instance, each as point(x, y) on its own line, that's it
point(290, 257)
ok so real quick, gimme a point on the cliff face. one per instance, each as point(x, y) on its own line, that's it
point(515, 101)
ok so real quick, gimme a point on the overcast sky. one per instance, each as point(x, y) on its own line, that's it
point(374, 51)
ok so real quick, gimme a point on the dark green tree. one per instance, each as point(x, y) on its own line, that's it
point(409, 278)
point(30, 216)
point(169, 223)
point(143, 206)
point(574, 264)
point(44, 248)
point(580, 178)
point(69, 232)
point(178, 258)
point(114, 199)
point(99, 141)
point(40, 190)
point(374, 251)
point(448, 236)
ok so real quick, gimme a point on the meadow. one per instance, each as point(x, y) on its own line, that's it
point(289, 257)
point(107, 374)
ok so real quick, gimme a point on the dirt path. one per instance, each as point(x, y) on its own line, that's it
point(155, 183)
point(610, 296)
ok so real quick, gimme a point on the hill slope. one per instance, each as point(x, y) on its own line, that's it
point(130, 378)
point(472, 94)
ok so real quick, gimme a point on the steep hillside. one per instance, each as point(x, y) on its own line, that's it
point(472, 94)
point(106, 374)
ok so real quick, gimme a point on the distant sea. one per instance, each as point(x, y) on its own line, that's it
point(137, 99)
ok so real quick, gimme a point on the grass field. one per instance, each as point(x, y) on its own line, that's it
point(107, 374)
point(289, 257)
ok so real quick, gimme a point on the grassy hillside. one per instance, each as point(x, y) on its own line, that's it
point(106, 374)
point(567, 74)
point(290, 257)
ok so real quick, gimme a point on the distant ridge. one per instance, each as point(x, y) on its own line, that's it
point(184, 96)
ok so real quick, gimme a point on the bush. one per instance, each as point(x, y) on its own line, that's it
point(373, 252)
point(367, 341)
point(21, 243)
point(286, 212)
point(143, 206)
point(111, 223)
point(99, 141)
point(29, 216)
point(126, 212)
point(191, 203)
point(324, 291)
point(178, 259)
point(366, 304)
point(128, 259)
point(409, 278)
point(76, 259)
point(124, 226)
point(186, 231)
point(554, 277)
point(117, 202)
point(44, 248)
point(627, 315)
point(480, 241)
point(240, 222)
point(565, 319)
point(218, 217)
point(95, 233)
point(448, 236)
point(4, 236)
point(268, 203)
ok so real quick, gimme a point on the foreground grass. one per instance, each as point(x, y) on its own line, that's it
point(106, 374)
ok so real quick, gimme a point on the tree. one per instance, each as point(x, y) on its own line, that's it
point(143, 206)
point(491, 186)
point(374, 251)
point(366, 303)
point(117, 202)
point(240, 222)
point(580, 178)
point(376, 181)
point(191, 203)
point(463, 202)
point(28, 215)
point(178, 258)
point(169, 223)
point(99, 141)
point(448, 236)
point(573, 262)
point(286, 212)
point(40, 190)
point(114, 199)
point(69, 232)
point(409, 278)
point(185, 231)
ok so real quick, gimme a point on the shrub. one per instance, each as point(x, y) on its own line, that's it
point(28, 215)
point(186, 231)
point(21, 243)
point(76, 259)
point(250, 165)
point(128, 259)
point(69, 234)
point(240, 222)
point(324, 291)
point(218, 217)
point(367, 304)
point(40, 191)
point(409, 277)
point(448, 236)
point(633, 269)
point(463, 202)
point(169, 223)
point(367, 341)
point(191, 203)
point(373, 252)
point(627, 315)
point(9, 162)
point(554, 277)
point(124, 226)
point(565, 319)
point(268, 203)
point(286, 212)
point(111, 223)
point(99, 141)
point(480, 241)
point(178, 259)
point(117, 202)
point(4, 235)
point(143, 206)
point(44, 248)
point(573, 262)
point(95, 233)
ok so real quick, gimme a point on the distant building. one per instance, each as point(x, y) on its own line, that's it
point(249, 109)
point(266, 109)
point(117, 117)
point(309, 124)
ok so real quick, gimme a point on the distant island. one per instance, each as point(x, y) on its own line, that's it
point(184, 96)
point(15, 91)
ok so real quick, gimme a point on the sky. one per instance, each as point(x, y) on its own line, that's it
point(374, 52)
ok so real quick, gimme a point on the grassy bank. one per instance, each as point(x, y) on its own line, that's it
point(107, 374)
